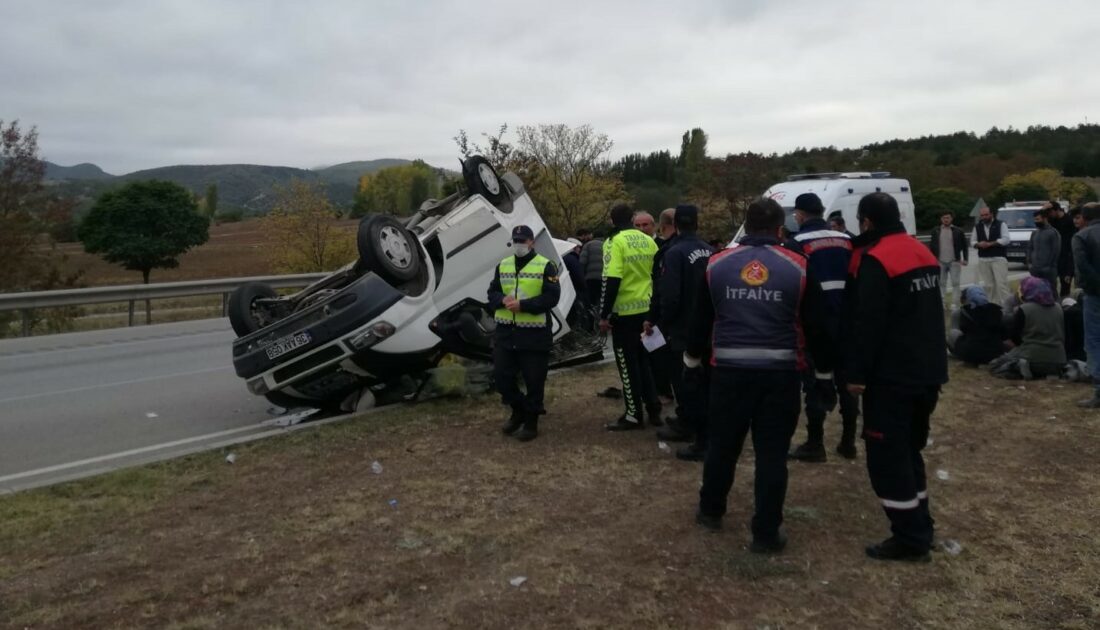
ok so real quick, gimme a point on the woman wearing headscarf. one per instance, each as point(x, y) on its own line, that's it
point(1038, 330)
point(977, 332)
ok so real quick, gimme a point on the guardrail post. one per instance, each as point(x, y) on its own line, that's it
point(225, 305)
point(130, 318)
point(27, 314)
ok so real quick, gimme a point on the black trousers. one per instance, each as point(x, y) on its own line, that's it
point(692, 395)
point(766, 403)
point(594, 289)
point(816, 409)
point(532, 365)
point(896, 422)
point(657, 362)
point(637, 379)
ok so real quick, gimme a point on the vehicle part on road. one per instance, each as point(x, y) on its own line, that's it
point(245, 314)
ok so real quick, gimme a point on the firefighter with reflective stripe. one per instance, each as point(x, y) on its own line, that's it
point(828, 254)
point(624, 305)
point(523, 291)
point(757, 310)
point(897, 360)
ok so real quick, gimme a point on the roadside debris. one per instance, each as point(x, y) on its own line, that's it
point(665, 448)
point(231, 458)
point(942, 475)
point(150, 414)
point(276, 410)
point(611, 392)
point(393, 503)
point(951, 547)
point(376, 468)
point(517, 581)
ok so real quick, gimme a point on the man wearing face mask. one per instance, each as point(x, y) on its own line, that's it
point(523, 291)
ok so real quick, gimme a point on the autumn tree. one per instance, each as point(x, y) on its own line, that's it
point(568, 175)
point(29, 213)
point(210, 201)
point(397, 190)
point(304, 230)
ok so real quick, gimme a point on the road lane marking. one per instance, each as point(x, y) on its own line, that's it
point(116, 384)
point(18, 354)
point(130, 453)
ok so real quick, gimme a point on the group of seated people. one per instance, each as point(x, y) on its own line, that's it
point(1030, 336)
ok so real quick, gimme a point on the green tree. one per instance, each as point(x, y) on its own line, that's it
point(932, 203)
point(397, 190)
point(1022, 190)
point(144, 225)
point(304, 231)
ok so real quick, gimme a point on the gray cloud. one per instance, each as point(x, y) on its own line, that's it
point(130, 84)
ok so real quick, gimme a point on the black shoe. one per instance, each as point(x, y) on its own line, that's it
point(713, 523)
point(515, 421)
point(674, 431)
point(891, 549)
point(622, 424)
point(693, 452)
point(1091, 403)
point(653, 413)
point(846, 450)
point(530, 428)
point(774, 544)
point(813, 453)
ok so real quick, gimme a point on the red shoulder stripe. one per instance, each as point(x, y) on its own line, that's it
point(900, 254)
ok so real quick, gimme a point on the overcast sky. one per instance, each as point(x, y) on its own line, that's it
point(138, 84)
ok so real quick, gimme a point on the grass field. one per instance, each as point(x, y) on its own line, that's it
point(299, 533)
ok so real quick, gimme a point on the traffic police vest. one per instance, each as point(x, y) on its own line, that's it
point(629, 255)
point(522, 285)
point(757, 292)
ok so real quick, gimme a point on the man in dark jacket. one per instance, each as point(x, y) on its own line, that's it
point(828, 253)
point(756, 313)
point(522, 293)
point(1061, 220)
point(1086, 260)
point(1043, 250)
point(683, 263)
point(896, 359)
point(949, 246)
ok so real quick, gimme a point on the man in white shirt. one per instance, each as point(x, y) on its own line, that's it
point(991, 239)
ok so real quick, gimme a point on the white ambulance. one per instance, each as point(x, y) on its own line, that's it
point(840, 194)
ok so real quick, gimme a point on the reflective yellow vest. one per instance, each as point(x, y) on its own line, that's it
point(524, 285)
point(629, 255)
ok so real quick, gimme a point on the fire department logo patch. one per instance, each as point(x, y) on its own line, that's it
point(754, 274)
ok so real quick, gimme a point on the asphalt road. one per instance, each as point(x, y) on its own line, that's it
point(75, 404)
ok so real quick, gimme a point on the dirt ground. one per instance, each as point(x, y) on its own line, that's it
point(234, 250)
point(299, 533)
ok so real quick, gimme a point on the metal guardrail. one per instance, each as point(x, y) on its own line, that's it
point(28, 301)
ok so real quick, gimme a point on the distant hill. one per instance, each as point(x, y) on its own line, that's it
point(247, 186)
point(79, 171)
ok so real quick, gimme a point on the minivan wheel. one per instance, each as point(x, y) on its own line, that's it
point(481, 179)
point(242, 307)
point(388, 249)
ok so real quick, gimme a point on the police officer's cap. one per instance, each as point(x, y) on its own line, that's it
point(522, 233)
point(810, 204)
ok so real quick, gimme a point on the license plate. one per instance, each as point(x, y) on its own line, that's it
point(286, 344)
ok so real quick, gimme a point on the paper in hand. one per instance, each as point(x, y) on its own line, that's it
point(654, 340)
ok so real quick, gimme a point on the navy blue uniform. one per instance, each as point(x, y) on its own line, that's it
point(758, 308)
point(828, 254)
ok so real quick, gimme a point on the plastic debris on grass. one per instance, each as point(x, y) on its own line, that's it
point(376, 468)
point(942, 475)
point(517, 581)
point(231, 458)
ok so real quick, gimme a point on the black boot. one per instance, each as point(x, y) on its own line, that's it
point(622, 424)
point(1090, 403)
point(515, 421)
point(891, 549)
point(774, 544)
point(675, 431)
point(847, 446)
point(530, 428)
point(694, 452)
point(809, 452)
point(654, 414)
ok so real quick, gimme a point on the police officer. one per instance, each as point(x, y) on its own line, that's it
point(682, 265)
point(828, 253)
point(896, 359)
point(624, 302)
point(757, 303)
point(523, 291)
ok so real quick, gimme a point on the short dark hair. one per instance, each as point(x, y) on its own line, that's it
point(764, 216)
point(1074, 211)
point(880, 209)
point(1042, 212)
point(839, 220)
point(810, 204)
point(583, 232)
point(1091, 211)
point(622, 215)
point(1054, 205)
point(947, 213)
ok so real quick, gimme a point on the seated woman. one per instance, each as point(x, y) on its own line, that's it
point(976, 329)
point(1038, 330)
